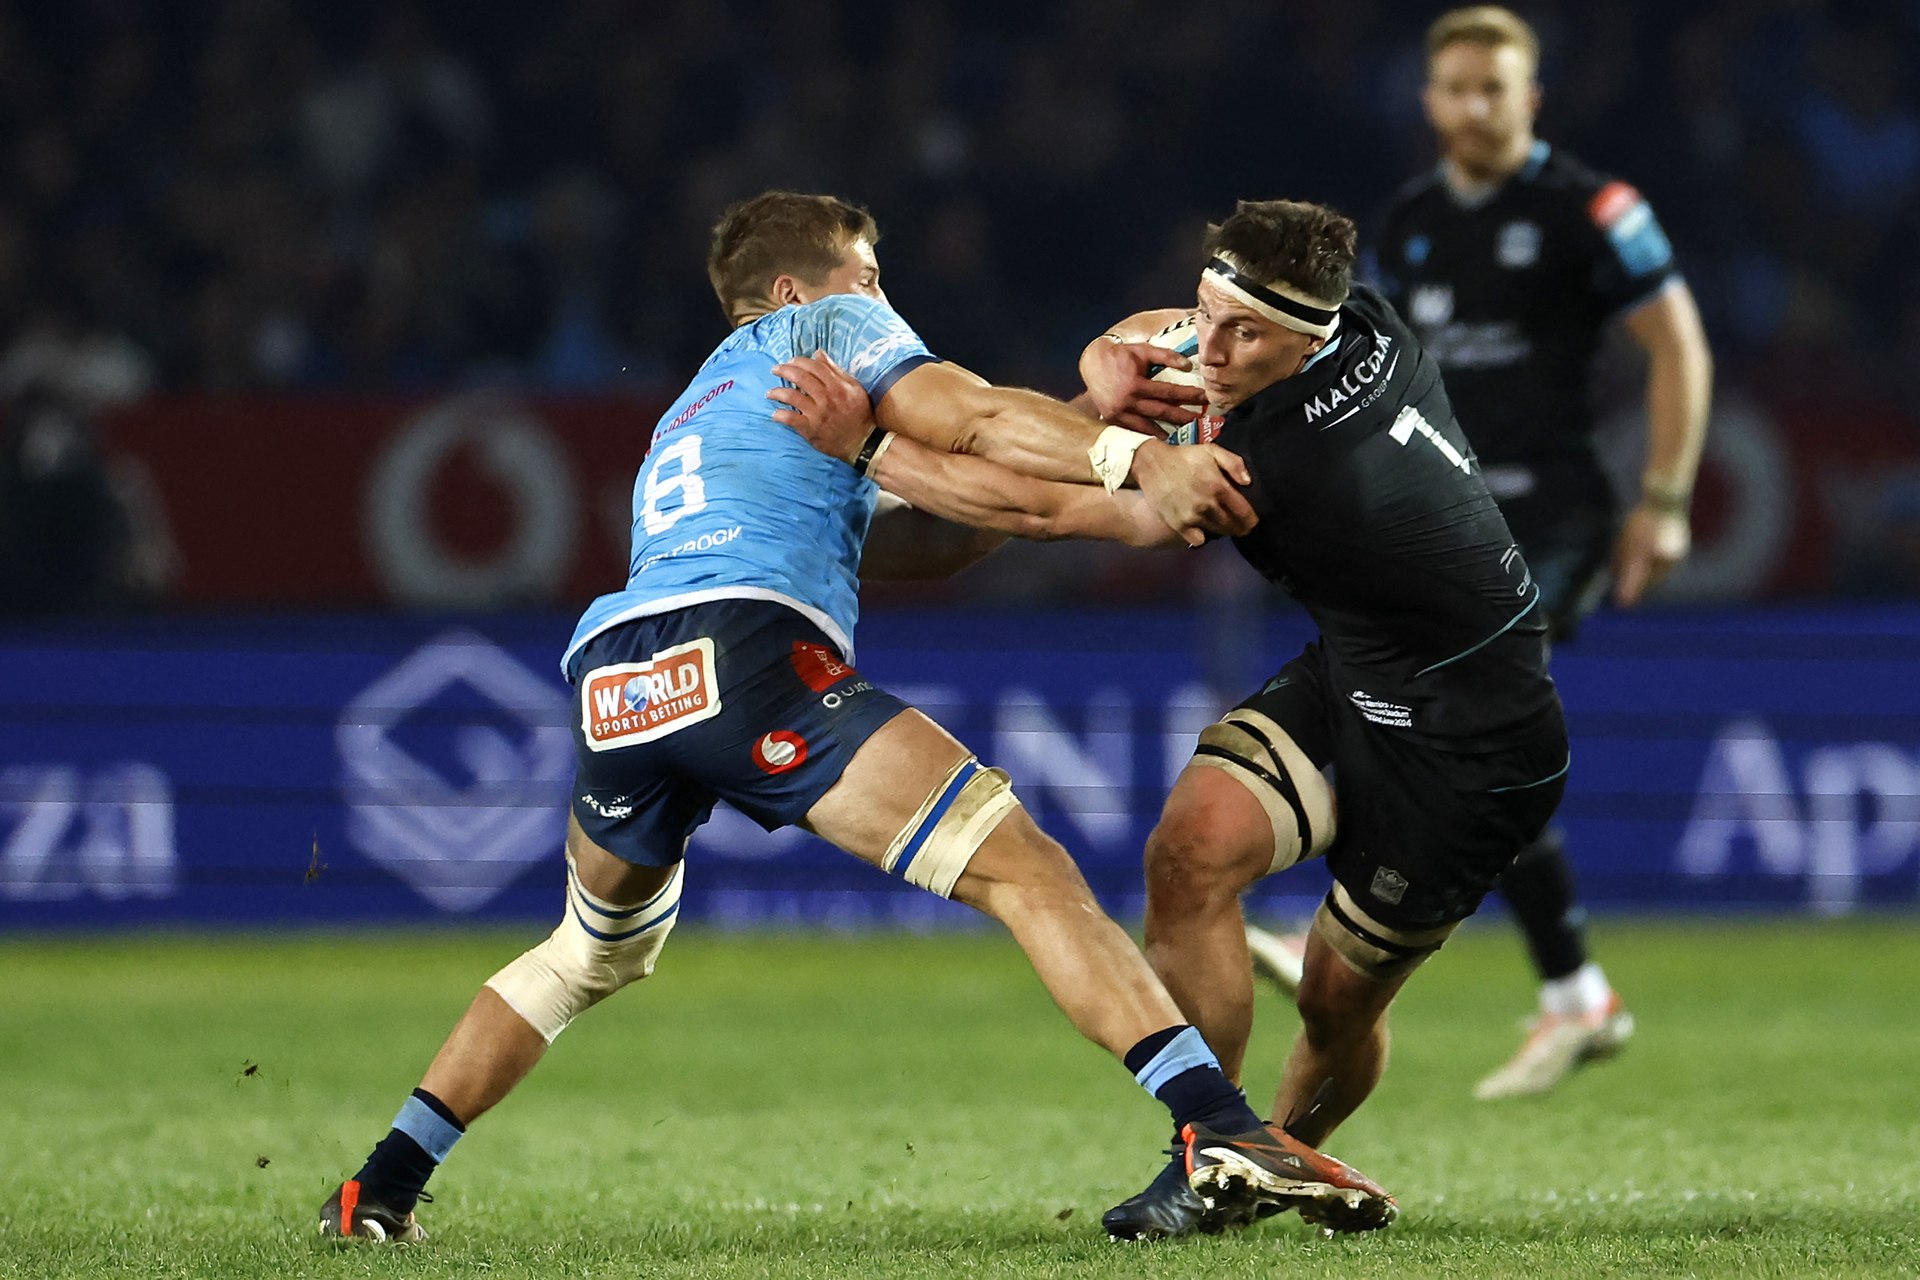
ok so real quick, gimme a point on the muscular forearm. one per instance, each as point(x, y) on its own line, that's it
point(1679, 390)
point(982, 494)
point(1032, 434)
point(953, 412)
point(1679, 385)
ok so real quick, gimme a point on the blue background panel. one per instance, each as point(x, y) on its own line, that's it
point(332, 770)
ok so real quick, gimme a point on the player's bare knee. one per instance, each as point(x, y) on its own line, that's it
point(1196, 861)
point(598, 948)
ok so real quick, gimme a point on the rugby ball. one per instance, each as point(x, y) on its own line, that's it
point(1180, 336)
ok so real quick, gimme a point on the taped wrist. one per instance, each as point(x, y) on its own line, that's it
point(1112, 455)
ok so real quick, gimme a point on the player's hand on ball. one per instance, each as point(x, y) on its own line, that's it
point(1120, 382)
point(1651, 543)
point(1192, 489)
point(825, 405)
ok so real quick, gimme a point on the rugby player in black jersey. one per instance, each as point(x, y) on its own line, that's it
point(1509, 260)
point(1426, 695)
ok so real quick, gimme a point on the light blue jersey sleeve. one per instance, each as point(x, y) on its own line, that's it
point(866, 338)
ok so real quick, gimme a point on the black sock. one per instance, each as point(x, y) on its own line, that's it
point(1539, 888)
point(397, 1169)
point(1177, 1067)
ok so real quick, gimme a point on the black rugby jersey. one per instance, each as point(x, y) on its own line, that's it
point(1374, 516)
point(1510, 296)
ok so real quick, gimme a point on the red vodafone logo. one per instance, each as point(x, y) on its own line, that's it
point(779, 751)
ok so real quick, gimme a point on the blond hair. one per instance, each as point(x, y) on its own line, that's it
point(1488, 25)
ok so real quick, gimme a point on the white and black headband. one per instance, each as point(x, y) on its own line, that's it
point(1279, 303)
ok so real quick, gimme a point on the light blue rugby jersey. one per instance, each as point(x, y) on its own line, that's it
point(731, 505)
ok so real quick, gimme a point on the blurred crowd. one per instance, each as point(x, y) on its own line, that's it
point(321, 195)
point(234, 194)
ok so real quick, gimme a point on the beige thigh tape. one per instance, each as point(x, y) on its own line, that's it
point(1260, 755)
point(952, 823)
point(1375, 949)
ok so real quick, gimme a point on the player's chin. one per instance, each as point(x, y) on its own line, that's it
point(1476, 148)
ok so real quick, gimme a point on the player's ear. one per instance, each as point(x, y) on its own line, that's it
point(785, 291)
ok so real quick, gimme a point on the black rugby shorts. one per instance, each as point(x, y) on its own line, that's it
point(1423, 833)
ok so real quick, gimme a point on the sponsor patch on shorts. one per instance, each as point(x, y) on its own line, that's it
point(819, 667)
point(635, 702)
point(780, 751)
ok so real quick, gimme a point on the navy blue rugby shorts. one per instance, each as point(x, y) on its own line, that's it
point(738, 700)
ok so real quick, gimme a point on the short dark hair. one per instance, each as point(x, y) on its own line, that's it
point(1308, 247)
point(781, 233)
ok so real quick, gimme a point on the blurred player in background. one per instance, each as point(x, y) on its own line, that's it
point(1427, 692)
point(1509, 260)
point(724, 671)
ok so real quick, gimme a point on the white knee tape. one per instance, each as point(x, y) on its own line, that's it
point(598, 948)
point(954, 821)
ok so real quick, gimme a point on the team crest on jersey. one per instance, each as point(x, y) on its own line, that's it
point(635, 702)
point(1431, 305)
point(1518, 244)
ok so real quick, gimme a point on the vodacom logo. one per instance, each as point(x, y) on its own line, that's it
point(516, 453)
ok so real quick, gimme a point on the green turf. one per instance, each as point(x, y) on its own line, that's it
point(797, 1106)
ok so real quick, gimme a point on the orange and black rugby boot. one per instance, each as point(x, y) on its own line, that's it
point(348, 1215)
point(1235, 1173)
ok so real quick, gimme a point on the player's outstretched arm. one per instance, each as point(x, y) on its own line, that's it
point(985, 495)
point(951, 410)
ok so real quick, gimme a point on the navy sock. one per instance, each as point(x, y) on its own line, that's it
point(397, 1169)
point(1177, 1067)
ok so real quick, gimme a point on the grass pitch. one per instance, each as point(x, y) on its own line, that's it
point(806, 1106)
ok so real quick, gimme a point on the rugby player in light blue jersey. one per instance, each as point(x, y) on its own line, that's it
point(723, 670)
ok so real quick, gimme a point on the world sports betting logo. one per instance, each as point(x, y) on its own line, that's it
point(636, 702)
